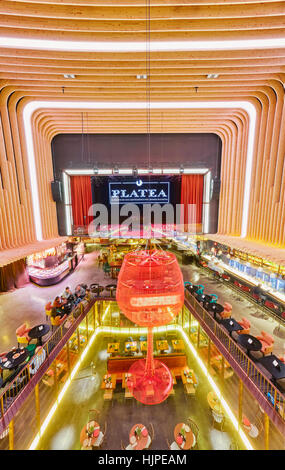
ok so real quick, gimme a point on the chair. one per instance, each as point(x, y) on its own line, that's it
point(93, 415)
point(218, 418)
point(245, 325)
point(214, 298)
point(108, 394)
point(23, 334)
point(101, 437)
point(227, 310)
point(150, 436)
point(173, 445)
point(48, 310)
point(200, 289)
point(57, 321)
point(195, 429)
point(267, 343)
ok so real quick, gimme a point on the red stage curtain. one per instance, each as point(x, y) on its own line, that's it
point(81, 198)
point(192, 193)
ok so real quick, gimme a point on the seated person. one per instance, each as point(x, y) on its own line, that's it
point(79, 293)
point(88, 296)
point(57, 303)
point(55, 312)
point(67, 294)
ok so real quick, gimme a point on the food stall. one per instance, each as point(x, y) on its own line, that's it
point(49, 267)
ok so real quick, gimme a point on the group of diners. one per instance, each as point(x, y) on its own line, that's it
point(64, 304)
point(263, 343)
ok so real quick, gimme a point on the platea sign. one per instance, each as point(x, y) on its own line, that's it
point(139, 192)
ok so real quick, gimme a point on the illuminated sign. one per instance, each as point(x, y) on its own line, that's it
point(139, 192)
point(155, 300)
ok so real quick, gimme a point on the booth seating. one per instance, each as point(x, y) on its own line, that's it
point(267, 343)
point(120, 365)
point(227, 310)
point(246, 326)
point(23, 334)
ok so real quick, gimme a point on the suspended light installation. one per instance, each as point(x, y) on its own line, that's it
point(150, 292)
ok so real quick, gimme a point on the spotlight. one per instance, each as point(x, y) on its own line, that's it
point(181, 170)
point(135, 171)
point(116, 170)
point(95, 171)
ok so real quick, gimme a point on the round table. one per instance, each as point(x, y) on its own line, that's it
point(141, 442)
point(96, 289)
point(192, 288)
point(189, 436)
point(14, 358)
point(38, 332)
point(252, 345)
point(111, 288)
point(204, 298)
point(215, 308)
point(84, 435)
point(214, 402)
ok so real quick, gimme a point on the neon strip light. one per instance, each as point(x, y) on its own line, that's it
point(35, 105)
point(129, 331)
point(140, 46)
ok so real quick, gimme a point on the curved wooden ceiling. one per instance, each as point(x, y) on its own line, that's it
point(110, 75)
point(256, 75)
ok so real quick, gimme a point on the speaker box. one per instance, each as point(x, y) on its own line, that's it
point(56, 189)
point(215, 188)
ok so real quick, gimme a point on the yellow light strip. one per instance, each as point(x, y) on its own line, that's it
point(217, 391)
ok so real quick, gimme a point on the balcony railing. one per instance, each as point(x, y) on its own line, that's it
point(24, 381)
point(270, 398)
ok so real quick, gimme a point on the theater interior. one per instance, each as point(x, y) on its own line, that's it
point(142, 225)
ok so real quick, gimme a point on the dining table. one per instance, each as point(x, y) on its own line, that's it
point(188, 376)
point(89, 434)
point(178, 344)
point(109, 381)
point(184, 436)
point(130, 346)
point(139, 437)
point(231, 325)
point(38, 331)
point(249, 342)
point(162, 345)
point(214, 402)
point(274, 366)
point(143, 345)
point(14, 358)
point(113, 348)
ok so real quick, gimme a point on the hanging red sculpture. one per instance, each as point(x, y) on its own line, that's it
point(150, 289)
point(150, 292)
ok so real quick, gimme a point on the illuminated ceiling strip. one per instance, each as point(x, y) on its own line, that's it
point(35, 105)
point(122, 331)
point(139, 46)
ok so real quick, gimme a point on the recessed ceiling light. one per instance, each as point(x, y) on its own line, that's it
point(212, 75)
point(141, 76)
point(69, 75)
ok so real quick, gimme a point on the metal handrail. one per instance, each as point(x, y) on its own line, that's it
point(24, 382)
point(243, 365)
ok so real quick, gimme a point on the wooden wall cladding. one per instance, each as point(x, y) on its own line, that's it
point(254, 75)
